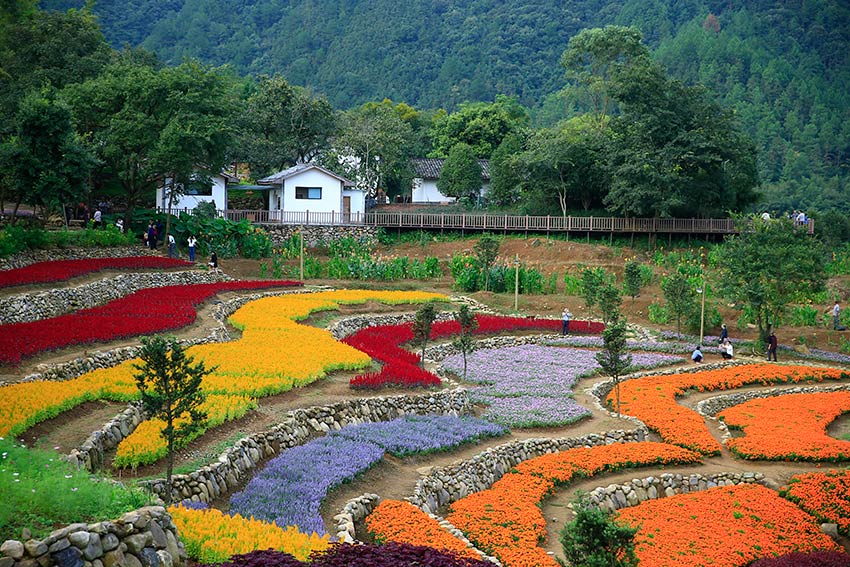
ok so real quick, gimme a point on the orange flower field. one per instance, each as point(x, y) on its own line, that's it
point(212, 537)
point(790, 427)
point(826, 495)
point(727, 526)
point(506, 520)
point(396, 520)
point(653, 399)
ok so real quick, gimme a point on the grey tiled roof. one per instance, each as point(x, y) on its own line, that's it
point(430, 168)
point(280, 176)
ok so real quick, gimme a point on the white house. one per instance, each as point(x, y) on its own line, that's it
point(426, 172)
point(308, 187)
point(197, 192)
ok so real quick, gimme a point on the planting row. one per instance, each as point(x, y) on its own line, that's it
point(400, 367)
point(532, 385)
point(291, 487)
point(144, 312)
point(653, 399)
point(60, 270)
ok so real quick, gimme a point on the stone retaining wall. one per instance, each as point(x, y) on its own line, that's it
point(617, 496)
point(143, 538)
point(317, 235)
point(448, 484)
point(299, 426)
point(90, 454)
point(32, 256)
point(52, 303)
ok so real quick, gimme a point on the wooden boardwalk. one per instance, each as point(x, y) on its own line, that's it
point(495, 223)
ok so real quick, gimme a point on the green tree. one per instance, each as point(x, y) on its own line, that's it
point(43, 162)
point(481, 125)
point(632, 279)
point(680, 297)
point(280, 124)
point(374, 145)
point(614, 358)
point(422, 323)
point(170, 386)
point(486, 250)
point(595, 539)
point(592, 282)
point(594, 58)
point(468, 323)
point(609, 299)
point(461, 175)
point(505, 172)
point(769, 265)
point(147, 124)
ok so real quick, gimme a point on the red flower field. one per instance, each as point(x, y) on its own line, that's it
point(44, 272)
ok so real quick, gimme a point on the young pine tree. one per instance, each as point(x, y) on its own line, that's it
point(594, 539)
point(422, 328)
point(468, 323)
point(170, 386)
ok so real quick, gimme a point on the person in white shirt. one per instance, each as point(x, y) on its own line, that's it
point(172, 244)
point(192, 242)
point(697, 355)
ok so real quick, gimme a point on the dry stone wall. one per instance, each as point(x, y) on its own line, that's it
point(316, 235)
point(52, 303)
point(617, 496)
point(32, 256)
point(146, 537)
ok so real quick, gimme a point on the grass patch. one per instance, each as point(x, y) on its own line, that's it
point(41, 492)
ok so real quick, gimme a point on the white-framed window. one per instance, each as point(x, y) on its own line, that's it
point(308, 192)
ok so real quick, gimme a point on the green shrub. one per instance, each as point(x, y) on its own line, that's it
point(658, 314)
point(572, 284)
point(804, 316)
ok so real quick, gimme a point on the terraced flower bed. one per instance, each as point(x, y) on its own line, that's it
point(726, 526)
point(147, 311)
point(61, 270)
point(789, 428)
point(653, 399)
point(826, 495)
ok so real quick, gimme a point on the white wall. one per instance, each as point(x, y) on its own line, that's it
point(425, 191)
point(331, 200)
point(219, 195)
point(358, 200)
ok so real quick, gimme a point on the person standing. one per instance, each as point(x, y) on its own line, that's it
point(172, 244)
point(724, 333)
point(151, 234)
point(98, 218)
point(836, 317)
point(213, 263)
point(565, 321)
point(192, 241)
point(772, 345)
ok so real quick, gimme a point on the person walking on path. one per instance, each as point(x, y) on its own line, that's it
point(724, 333)
point(565, 321)
point(192, 241)
point(213, 263)
point(98, 218)
point(696, 356)
point(172, 244)
point(772, 345)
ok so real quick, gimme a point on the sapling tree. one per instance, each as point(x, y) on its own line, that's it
point(609, 299)
point(614, 357)
point(422, 328)
point(170, 387)
point(486, 249)
point(592, 280)
point(680, 297)
point(468, 323)
point(632, 279)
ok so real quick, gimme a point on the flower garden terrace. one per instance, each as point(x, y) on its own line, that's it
point(249, 371)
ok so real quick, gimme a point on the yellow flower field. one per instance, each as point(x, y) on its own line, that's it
point(212, 537)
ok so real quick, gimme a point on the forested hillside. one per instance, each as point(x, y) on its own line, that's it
point(782, 65)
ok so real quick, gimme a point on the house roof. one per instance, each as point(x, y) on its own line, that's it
point(279, 177)
point(228, 177)
point(430, 168)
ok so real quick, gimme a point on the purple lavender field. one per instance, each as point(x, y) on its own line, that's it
point(532, 385)
point(290, 489)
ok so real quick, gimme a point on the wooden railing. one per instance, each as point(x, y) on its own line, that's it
point(491, 222)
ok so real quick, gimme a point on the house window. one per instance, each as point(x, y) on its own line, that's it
point(308, 192)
